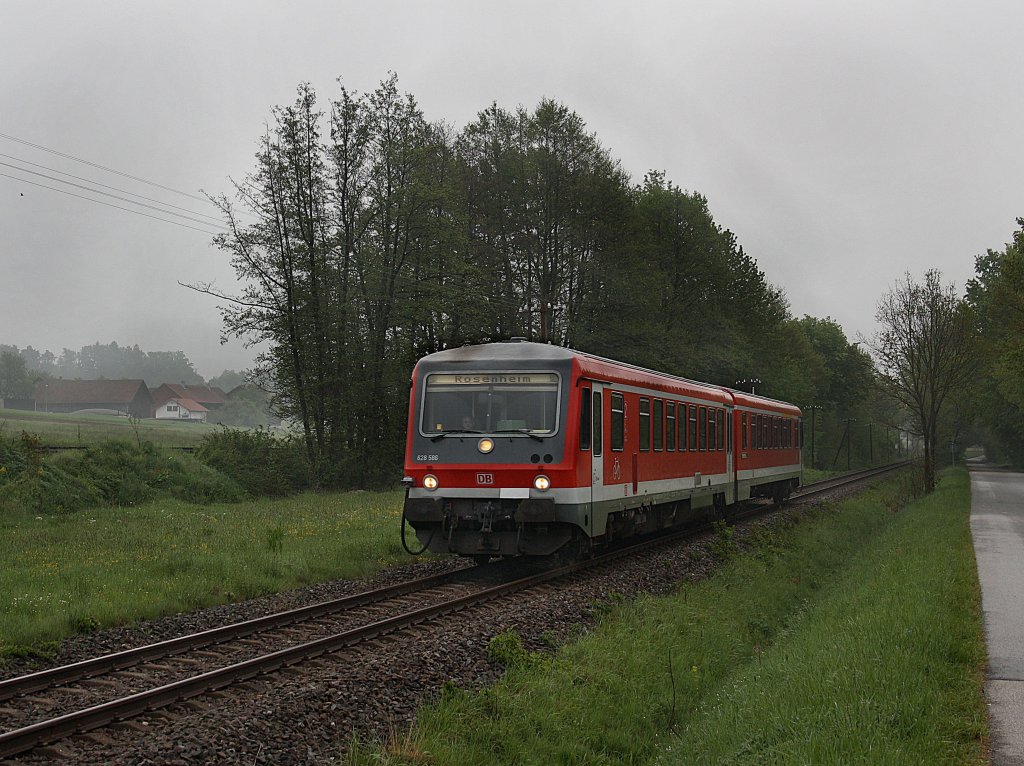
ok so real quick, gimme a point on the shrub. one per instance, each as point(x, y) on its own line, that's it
point(262, 463)
point(111, 472)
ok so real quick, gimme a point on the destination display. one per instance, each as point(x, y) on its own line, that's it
point(494, 379)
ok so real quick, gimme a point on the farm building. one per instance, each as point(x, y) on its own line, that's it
point(209, 398)
point(127, 397)
point(182, 408)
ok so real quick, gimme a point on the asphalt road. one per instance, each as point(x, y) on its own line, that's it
point(997, 525)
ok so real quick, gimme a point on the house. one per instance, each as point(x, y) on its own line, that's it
point(125, 397)
point(210, 399)
point(181, 408)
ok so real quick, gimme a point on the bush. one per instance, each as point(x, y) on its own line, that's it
point(262, 463)
point(111, 472)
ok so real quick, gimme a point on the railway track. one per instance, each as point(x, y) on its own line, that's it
point(88, 695)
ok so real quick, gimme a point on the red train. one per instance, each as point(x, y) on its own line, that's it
point(524, 448)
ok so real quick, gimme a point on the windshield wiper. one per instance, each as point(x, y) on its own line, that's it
point(454, 431)
point(524, 431)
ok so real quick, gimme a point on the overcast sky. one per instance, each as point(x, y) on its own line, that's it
point(844, 142)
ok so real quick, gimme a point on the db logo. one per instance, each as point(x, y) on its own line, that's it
point(485, 478)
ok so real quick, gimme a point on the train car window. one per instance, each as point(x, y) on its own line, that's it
point(799, 433)
point(670, 426)
point(729, 420)
point(721, 430)
point(585, 419)
point(598, 425)
point(712, 429)
point(659, 425)
point(743, 431)
point(702, 429)
point(645, 424)
point(618, 432)
point(760, 432)
point(778, 428)
point(693, 427)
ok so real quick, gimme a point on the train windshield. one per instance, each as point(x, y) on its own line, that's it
point(491, 402)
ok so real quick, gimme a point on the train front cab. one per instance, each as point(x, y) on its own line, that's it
point(489, 458)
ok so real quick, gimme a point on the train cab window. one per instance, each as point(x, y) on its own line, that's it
point(645, 424)
point(490, 402)
point(618, 432)
point(712, 429)
point(659, 425)
point(799, 433)
point(693, 427)
point(743, 431)
point(670, 426)
point(702, 429)
point(598, 425)
point(585, 419)
point(721, 430)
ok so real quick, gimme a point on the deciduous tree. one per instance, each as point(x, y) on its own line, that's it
point(926, 351)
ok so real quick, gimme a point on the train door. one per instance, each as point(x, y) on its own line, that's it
point(597, 454)
point(730, 455)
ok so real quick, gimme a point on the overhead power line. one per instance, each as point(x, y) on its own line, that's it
point(108, 194)
point(101, 167)
point(108, 204)
point(216, 220)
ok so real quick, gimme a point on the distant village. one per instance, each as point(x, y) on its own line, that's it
point(169, 401)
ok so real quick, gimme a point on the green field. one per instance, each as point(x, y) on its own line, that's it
point(58, 429)
point(65, 573)
point(853, 637)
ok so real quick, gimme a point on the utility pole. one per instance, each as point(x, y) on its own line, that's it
point(813, 408)
point(849, 441)
point(846, 438)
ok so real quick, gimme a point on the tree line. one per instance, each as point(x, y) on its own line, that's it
point(20, 368)
point(995, 297)
point(367, 236)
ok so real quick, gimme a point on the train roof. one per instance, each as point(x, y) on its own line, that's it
point(596, 367)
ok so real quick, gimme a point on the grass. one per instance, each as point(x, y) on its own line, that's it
point(72, 572)
point(851, 637)
point(66, 430)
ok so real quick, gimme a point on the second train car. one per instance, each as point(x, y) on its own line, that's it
point(522, 448)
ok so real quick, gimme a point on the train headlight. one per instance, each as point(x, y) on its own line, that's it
point(541, 483)
point(430, 481)
point(485, 445)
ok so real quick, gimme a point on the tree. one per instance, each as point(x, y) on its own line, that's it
point(926, 351)
point(997, 296)
point(15, 381)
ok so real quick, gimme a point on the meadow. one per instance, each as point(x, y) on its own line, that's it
point(72, 572)
point(853, 636)
point(67, 430)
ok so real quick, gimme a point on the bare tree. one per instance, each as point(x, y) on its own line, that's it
point(926, 351)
